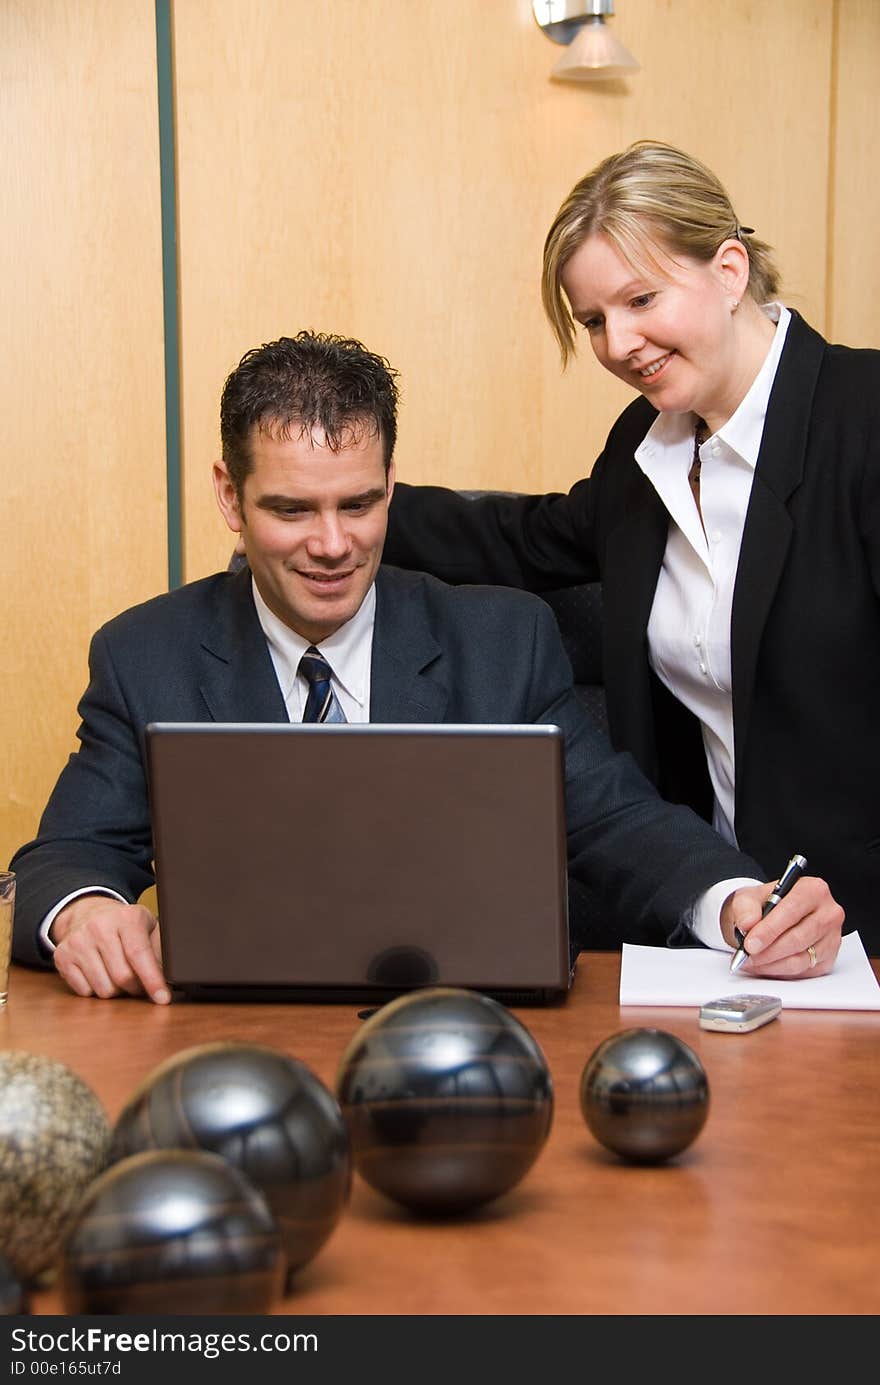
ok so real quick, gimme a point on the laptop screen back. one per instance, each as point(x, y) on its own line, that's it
point(348, 861)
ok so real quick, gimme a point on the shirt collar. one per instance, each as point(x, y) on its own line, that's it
point(348, 650)
point(743, 430)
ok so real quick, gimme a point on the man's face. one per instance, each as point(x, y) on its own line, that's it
point(313, 525)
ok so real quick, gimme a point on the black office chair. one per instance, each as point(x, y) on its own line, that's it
point(578, 612)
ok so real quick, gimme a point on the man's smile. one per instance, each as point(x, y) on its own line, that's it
point(326, 581)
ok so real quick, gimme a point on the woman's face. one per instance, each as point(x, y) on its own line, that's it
point(666, 332)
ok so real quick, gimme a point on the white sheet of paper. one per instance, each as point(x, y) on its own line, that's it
point(691, 976)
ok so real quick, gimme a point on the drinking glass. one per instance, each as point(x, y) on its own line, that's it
point(7, 908)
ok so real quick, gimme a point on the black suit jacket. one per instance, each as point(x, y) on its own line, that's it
point(805, 636)
point(440, 654)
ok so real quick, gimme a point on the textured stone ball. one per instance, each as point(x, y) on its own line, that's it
point(172, 1231)
point(448, 1100)
point(54, 1136)
point(264, 1112)
point(644, 1095)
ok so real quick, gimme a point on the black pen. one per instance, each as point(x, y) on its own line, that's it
point(793, 871)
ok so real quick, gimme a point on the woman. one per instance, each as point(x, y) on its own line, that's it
point(733, 518)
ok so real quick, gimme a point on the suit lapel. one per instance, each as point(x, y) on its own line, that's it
point(408, 681)
point(236, 675)
point(768, 527)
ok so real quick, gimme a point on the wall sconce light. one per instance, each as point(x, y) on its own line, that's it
point(592, 52)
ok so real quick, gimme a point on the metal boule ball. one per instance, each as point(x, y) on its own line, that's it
point(13, 1298)
point(448, 1099)
point(172, 1231)
point(266, 1113)
point(644, 1095)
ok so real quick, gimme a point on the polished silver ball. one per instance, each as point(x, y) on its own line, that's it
point(264, 1112)
point(448, 1098)
point(644, 1095)
point(172, 1231)
point(54, 1137)
point(13, 1298)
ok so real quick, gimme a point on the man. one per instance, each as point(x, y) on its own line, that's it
point(313, 629)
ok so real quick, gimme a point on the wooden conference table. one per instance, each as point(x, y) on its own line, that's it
point(774, 1209)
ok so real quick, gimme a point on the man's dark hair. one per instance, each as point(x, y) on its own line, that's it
point(295, 384)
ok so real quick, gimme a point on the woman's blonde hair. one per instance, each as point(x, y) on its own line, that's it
point(651, 196)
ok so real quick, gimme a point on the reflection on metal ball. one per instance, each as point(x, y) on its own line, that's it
point(172, 1231)
point(448, 1099)
point(13, 1298)
point(644, 1095)
point(54, 1135)
point(264, 1112)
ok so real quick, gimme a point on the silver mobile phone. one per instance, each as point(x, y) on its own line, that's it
point(738, 1014)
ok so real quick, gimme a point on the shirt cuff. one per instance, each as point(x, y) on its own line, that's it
point(706, 921)
point(43, 939)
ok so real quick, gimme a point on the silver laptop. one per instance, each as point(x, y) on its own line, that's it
point(358, 862)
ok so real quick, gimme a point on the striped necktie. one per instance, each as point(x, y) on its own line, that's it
point(321, 703)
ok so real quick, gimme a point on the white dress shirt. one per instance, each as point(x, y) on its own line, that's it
point(689, 625)
point(348, 651)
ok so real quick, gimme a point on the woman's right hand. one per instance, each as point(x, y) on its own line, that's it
point(799, 937)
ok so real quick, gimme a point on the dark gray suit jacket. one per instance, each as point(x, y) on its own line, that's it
point(440, 654)
point(805, 631)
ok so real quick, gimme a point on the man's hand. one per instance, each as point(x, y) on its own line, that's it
point(106, 948)
point(799, 937)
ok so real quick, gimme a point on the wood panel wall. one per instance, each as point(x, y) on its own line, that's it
point(388, 171)
point(854, 190)
point(391, 172)
point(82, 403)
